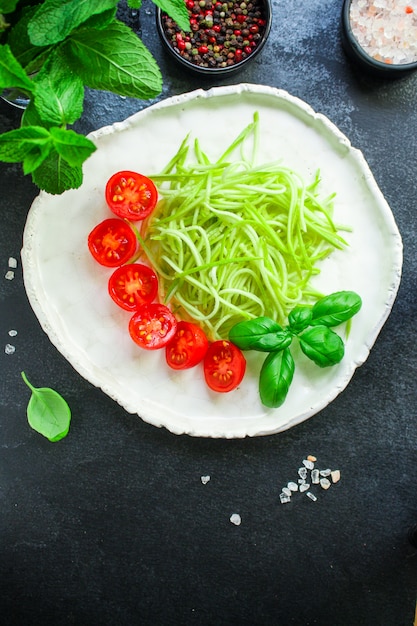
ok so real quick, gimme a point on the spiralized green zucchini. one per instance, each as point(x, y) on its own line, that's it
point(232, 240)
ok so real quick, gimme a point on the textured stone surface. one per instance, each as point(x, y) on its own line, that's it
point(113, 525)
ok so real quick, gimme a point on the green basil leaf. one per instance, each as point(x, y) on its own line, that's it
point(12, 73)
point(114, 59)
point(55, 175)
point(60, 94)
point(336, 308)
point(300, 318)
point(322, 345)
point(276, 377)
point(261, 333)
point(47, 412)
point(177, 10)
point(54, 19)
point(16, 144)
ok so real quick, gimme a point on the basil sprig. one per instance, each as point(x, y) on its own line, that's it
point(312, 325)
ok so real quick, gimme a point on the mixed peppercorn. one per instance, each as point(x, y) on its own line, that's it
point(222, 33)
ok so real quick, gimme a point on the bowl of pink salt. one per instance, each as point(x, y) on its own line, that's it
point(381, 35)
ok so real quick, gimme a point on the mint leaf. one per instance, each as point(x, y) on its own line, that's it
point(7, 6)
point(71, 146)
point(134, 4)
point(177, 10)
point(18, 39)
point(35, 157)
point(31, 117)
point(16, 144)
point(60, 94)
point(55, 175)
point(114, 59)
point(12, 73)
point(55, 19)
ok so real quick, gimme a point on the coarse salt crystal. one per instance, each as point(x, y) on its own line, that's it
point(315, 477)
point(308, 464)
point(9, 275)
point(236, 519)
point(302, 472)
point(311, 458)
point(311, 496)
point(284, 498)
point(335, 476)
point(12, 262)
point(286, 491)
point(9, 349)
point(325, 483)
point(325, 472)
point(304, 487)
point(205, 479)
point(12, 333)
point(292, 486)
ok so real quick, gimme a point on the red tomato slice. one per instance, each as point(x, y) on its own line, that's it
point(132, 285)
point(131, 195)
point(224, 366)
point(112, 242)
point(152, 326)
point(187, 348)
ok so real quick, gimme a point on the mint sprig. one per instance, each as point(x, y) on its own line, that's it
point(50, 52)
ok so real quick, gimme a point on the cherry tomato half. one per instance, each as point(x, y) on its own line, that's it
point(132, 285)
point(188, 346)
point(131, 195)
point(152, 326)
point(112, 242)
point(224, 366)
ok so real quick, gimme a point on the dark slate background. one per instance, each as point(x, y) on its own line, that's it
point(113, 525)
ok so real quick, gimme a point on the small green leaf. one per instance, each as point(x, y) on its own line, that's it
point(60, 94)
point(114, 59)
point(177, 10)
point(54, 19)
point(276, 377)
point(336, 308)
point(7, 6)
point(300, 318)
point(12, 73)
point(16, 144)
point(55, 175)
point(322, 345)
point(134, 4)
point(261, 333)
point(47, 412)
point(71, 146)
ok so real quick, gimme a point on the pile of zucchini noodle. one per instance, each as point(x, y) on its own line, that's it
point(233, 240)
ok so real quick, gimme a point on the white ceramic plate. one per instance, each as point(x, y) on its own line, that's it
point(68, 290)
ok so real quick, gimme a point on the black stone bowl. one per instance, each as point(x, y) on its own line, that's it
point(217, 71)
point(355, 51)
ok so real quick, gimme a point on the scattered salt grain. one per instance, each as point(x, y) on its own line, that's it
point(302, 472)
point(235, 519)
point(284, 498)
point(325, 472)
point(308, 464)
point(311, 496)
point(286, 491)
point(325, 483)
point(9, 275)
point(315, 477)
point(335, 475)
point(9, 349)
point(205, 479)
point(311, 458)
point(12, 333)
point(292, 486)
point(12, 262)
point(304, 487)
